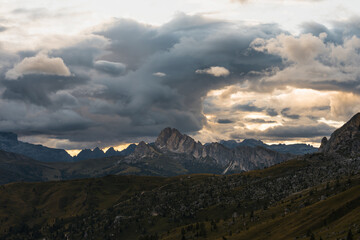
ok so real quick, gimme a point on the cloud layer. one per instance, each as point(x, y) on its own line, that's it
point(125, 81)
point(39, 64)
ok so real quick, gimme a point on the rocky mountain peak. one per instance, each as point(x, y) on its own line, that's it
point(98, 150)
point(170, 139)
point(344, 141)
point(143, 150)
point(111, 150)
point(166, 136)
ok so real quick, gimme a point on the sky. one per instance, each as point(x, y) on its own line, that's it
point(81, 74)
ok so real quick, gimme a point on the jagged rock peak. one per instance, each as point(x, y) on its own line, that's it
point(166, 134)
point(143, 150)
point(172, 140)
point(111, 150)
point(98, 150)
point(344, 141)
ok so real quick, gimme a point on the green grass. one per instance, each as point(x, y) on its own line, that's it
point(46, 203)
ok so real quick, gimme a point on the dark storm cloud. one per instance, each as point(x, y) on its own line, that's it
point(305, 131)
point(82, 54)
point(285, 113)
point(258, 120)
point(133, 103)
point(26, 119)
point(36, 89)
point(247, 108)
point(340, 29)
point(288, 132)
point(271, 112)
point(111, 68)
point(178, 48)
point(133, 42)
point(224, 121)
point(321, 108)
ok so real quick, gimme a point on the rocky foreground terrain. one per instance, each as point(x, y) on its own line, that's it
point(316, 196)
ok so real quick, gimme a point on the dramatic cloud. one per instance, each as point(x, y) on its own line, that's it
point(37, 89)
point(159, 74)
point(40, 64)
point(259, 120)
point(124, 81)
point(285, 113)
point(225, 121)
point(130, 80)
point(271, 112)
point(310, 62)
point(282, 133)
point(112, 68)
point(215, 71)
point(247, 108)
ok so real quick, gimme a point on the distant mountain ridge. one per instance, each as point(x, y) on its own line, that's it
point(98, 153)
point(9, 142)
point(241, 158)
point(173, 153)
point(295, 149)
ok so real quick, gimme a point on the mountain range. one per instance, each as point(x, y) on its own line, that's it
point(171, 154)
point(98, 153)
point(314, 196)
point(294, 149)
point(9, 142)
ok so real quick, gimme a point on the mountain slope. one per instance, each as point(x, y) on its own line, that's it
point(286, 201)
point(9, 143)
point(344, 141)
point(310, 197)
point(16, 168)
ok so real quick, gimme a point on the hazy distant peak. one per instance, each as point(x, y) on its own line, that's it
point(8, 136)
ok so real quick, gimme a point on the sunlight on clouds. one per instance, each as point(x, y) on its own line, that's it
point(40, 64)
point(261, 112)
point(336, 124)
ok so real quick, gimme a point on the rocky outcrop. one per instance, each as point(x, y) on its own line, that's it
point(345, 141)
point(127, 151)
point(143, 150)
point(9, 142)
point(170, 139)
point(241, 158)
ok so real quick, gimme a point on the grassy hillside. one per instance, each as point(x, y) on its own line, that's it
point(306, 198)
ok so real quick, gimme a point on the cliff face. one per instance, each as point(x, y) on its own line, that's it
point(170, 139)
point(345, 141)
point(239, 158)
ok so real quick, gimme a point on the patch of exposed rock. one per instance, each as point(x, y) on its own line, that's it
point(345, 141)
